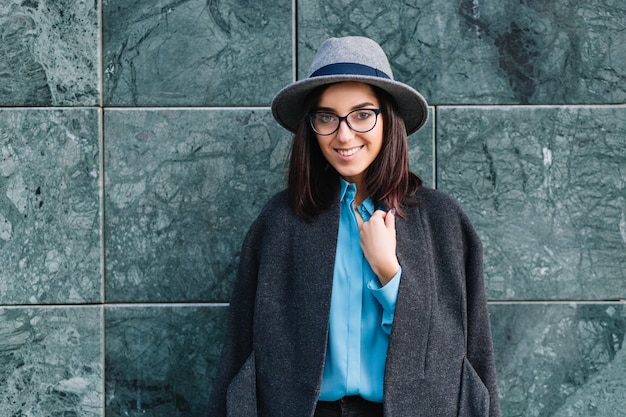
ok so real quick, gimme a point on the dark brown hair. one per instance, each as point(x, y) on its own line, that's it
point(313, 183)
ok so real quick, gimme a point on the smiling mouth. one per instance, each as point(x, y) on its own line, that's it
point(348, 152)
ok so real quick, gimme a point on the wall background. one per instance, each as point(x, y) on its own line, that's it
point(136, 147)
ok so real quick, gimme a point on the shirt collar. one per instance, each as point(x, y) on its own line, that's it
point(348, 192)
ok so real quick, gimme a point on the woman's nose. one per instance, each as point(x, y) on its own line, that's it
point(344, 133)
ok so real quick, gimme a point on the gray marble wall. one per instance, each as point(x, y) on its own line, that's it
point(136, 147)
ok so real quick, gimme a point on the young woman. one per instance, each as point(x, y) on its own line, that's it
point(359, 291)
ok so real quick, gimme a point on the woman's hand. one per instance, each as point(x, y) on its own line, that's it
point(378, 241)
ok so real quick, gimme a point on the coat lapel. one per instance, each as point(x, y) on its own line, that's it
point(314, 249)
point(409, 338)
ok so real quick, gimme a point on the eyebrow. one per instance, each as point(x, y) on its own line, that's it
point(358, 106)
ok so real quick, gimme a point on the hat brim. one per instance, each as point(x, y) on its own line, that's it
point(287, 104)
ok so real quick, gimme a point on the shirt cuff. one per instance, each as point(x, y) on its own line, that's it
point(387, 295)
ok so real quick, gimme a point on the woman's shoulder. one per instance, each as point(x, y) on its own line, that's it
point(436, 201)
point(269, 218)
point(276, 212)
point(276, 204)
point(441, 210)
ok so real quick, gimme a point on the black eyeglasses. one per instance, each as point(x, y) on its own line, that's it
point(360, 120)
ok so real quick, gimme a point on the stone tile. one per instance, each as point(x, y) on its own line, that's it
point(49, 206)
point(49, 53)
point(161, 360)
point(545, 187)
point(51, 361)
point(471, 52)
point(560, 360)
point(195, 53)
point(182, 188)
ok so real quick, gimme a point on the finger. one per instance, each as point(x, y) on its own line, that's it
point(379, 214)
point(390, 218)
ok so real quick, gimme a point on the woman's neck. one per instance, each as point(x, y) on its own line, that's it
point(361, 192)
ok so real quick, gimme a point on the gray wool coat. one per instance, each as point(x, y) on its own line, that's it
point(440, 359)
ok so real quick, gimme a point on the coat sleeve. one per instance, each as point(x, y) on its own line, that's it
point(238, 339)
point(479, 342)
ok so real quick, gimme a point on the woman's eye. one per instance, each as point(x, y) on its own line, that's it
point(326, 118)
point(362, 115)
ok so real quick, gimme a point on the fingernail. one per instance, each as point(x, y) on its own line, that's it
point(393, 211)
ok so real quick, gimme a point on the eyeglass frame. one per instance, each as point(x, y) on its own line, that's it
point(377, 111)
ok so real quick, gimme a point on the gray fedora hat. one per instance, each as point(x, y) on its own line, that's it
point(352, 58)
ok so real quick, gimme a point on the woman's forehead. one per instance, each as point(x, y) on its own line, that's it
point(348, 95)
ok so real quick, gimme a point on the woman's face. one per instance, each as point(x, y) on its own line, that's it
point(350, 152)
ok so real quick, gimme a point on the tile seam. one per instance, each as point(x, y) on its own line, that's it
point(108, 305)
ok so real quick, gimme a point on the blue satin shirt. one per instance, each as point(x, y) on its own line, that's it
point(361, 313)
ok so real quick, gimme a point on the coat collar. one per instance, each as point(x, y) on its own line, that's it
point(411, 325)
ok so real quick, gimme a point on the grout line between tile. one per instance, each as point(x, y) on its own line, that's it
point(563, 302)
point(435, 144)
point(104, 306)
point(529, 106)
point(100, 54)
point(294, 40)
point(101, 190)
point(135, 305)
point(216, 108)
point(108, 305)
